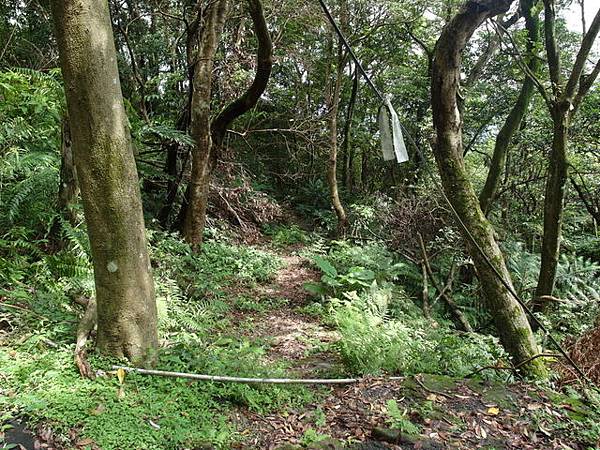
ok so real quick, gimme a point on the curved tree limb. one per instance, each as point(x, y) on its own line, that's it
point(250, 98)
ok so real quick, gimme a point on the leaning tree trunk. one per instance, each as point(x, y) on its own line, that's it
point(108, 179)
point(510, 319)
point(516, 115)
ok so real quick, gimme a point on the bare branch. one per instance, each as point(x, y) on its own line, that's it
point(584, 51)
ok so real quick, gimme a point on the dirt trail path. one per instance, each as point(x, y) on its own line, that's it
point(298, 339)
point(436, 412)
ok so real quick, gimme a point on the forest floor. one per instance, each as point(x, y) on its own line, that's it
point(421, 412)
point(447, 412)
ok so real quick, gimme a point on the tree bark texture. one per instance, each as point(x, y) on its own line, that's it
point(509, 317)
point(209, 135)
point(127, 322)
point(517, 113)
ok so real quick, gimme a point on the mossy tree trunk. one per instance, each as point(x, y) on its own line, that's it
point(108, 179)
point(510, 319)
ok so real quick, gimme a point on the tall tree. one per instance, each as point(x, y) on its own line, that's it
point(204, 40)
point(108, 179)
point(563, 102)
point(209, 135)
point(510, 319)
point(333, 106)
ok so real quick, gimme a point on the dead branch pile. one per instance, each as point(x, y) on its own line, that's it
point(234, 200)
point(414, 216)
point(585, 354)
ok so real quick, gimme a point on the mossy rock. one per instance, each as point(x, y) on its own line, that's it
point(577, 410)
point(326, 444)
point(499, 395)
point(439, 382)
point(433, 382)
point(397, 437)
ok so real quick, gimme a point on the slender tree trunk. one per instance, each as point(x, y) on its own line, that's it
point(172, 170)
point(206, 159)
point(592, 205)
point(563, 105)
point(207, 37)
point(333, 151)
point(516, 115)
point(127, 322)
point(509, 317)
point(347, 149)
point(333, 111)
point(553, 206)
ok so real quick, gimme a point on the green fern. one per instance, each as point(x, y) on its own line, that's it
point(165, 133)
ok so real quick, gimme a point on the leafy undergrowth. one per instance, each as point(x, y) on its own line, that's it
point(40, 384)
point(318, 309)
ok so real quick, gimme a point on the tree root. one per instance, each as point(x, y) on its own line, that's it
point(86, 326)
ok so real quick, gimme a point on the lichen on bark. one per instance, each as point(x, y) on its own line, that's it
point(108, 179)
point(509, 317)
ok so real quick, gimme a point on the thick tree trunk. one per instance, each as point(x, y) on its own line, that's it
point(127, 322)
point(516, 115)
point(510, 319)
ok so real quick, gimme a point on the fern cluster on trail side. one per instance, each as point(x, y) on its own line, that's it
point(577, 289)
point(380, 324)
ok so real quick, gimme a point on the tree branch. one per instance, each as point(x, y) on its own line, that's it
point(584, 51)
point(263, 73)
point(551, 49)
